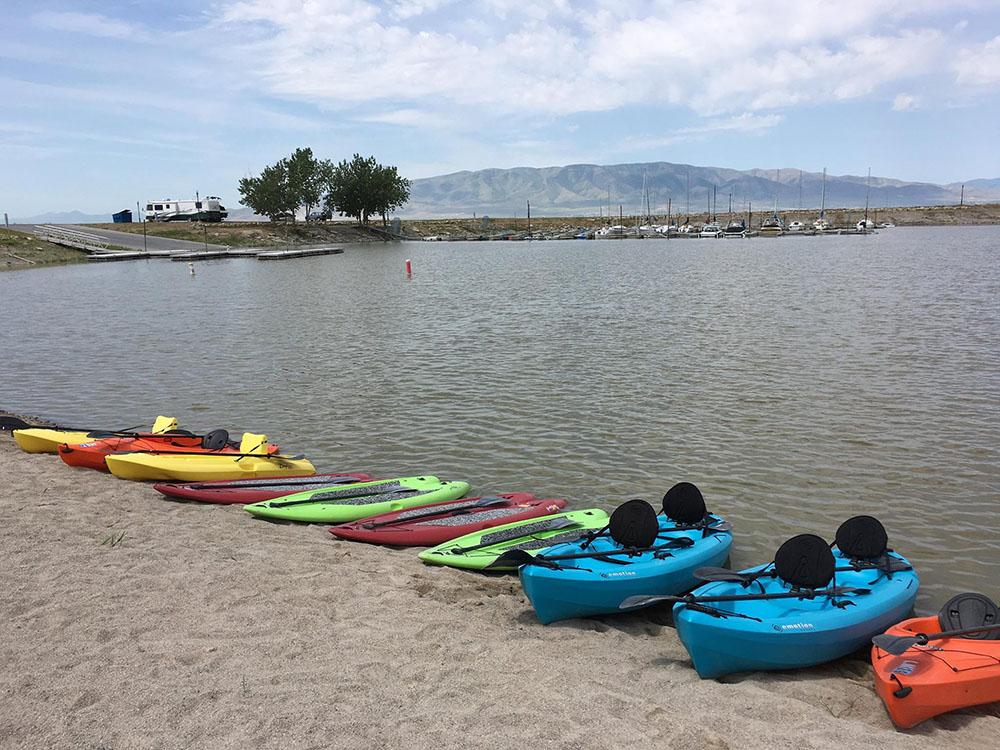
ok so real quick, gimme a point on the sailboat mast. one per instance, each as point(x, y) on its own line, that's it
point(868, 195)
point(822, 204)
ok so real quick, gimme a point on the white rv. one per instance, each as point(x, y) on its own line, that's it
point(205, 209)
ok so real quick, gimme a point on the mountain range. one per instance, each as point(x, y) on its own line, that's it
point(589, 189)
point(592, 189)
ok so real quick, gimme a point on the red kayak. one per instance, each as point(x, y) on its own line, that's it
point(430, 525)
point(254, 490)
point(90, 455)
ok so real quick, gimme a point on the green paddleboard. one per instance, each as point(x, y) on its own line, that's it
point(477, 550)
point(349, 502)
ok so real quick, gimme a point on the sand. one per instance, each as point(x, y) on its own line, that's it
point(204, 628)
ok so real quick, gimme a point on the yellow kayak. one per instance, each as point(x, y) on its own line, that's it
point(42, 440)
point(251, 463)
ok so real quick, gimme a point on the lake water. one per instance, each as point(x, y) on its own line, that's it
point(798, 381)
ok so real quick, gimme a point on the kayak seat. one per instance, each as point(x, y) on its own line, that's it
point(805, 562)
point(634, 524)
point(215, 440)
point(971, 611)
point(862, 538)
point(684, 504)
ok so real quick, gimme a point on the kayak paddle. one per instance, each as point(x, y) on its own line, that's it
point(898, 644)
point(641, 600)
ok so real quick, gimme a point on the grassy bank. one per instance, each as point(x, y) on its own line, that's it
point(19, 250)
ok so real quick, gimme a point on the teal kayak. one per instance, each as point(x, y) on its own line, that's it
point(343, 503)
point(594, 574)
point(811, 605)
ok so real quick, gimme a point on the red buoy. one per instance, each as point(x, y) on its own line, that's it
point(409, 268)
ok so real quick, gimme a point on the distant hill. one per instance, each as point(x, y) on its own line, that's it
point(64, 217)
point(587, 189)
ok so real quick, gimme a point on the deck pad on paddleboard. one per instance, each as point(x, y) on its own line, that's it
point(477, 550)
point(433, 524)
point(254, 490)
point(356, 501)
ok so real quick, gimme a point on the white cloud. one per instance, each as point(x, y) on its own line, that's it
point(905, 103)
point(716, 57)
point(979, 66)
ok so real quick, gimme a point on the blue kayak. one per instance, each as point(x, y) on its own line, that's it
point(815, 624)
point(592, 575)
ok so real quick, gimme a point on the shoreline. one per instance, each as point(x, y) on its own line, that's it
point(219, 630)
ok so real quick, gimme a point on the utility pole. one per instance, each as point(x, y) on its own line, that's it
point(961, 201)
point(142, 219)
point(529, 220)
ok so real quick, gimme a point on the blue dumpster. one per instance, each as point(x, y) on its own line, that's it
point(123, 217)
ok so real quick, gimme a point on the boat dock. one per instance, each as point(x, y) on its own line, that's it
point(232, 252)
point(299, 253)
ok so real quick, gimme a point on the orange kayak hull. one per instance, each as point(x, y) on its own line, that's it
point(943, 676)
point(90, 455)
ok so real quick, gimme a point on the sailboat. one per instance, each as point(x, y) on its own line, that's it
point(821, 224)
point(773, 225)
point(736, 227)
point(865, 225)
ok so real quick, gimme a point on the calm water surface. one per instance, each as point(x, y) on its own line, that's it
point(797, 381)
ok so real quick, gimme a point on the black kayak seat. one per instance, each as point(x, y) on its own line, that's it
point(805, 562)
point(971, 611)
point(633, 524)
point(215, 440)
point(684, 503)
point(862, 538)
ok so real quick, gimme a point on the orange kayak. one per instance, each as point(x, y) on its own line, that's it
point(90, 455)
point(939, 676)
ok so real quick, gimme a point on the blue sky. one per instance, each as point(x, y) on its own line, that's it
point(106, 103)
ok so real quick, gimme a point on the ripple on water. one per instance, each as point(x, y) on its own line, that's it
point(797, 381)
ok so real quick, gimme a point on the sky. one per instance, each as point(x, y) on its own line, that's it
point(108, 103)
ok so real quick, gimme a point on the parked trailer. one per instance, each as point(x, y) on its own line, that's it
point(208, 208)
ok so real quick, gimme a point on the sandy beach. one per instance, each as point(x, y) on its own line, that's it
point(204, 628)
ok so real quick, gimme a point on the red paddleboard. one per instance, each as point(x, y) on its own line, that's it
point(430, 525)
point(254, 490)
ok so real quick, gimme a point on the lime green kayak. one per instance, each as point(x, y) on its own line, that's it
point(477, 550)
point(342, 503)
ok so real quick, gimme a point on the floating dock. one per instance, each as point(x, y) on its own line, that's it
point(301, 253)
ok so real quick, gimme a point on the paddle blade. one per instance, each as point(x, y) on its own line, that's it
point(896, 644)
point(641, 601)
point(720, 575)
point(512, 558)
point(14, 423)
point(721, 526)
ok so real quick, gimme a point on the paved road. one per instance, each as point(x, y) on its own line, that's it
point(121, 239)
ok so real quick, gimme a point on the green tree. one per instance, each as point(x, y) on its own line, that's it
point(308, 178)
point(362, 187)
point(268, 194)
point(297, 181)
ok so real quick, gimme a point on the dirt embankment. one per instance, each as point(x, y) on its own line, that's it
point(19, 250)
